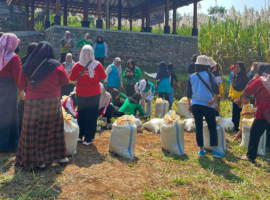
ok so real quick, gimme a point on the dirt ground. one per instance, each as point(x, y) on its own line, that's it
point(94, 173)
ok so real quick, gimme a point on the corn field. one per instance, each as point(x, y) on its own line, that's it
point(227, 38)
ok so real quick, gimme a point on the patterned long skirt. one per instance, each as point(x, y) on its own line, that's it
point(42, 138)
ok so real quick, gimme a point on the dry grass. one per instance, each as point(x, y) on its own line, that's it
point(94, 173)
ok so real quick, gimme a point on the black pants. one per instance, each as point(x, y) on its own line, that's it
point(209, 113)
point(63, 57)
point(109, 114)
point(236, 116)
point(257, 129)
point(101, 60)
point(130, 90)
point(66, 89)
point(87, 116)
point(164, 95)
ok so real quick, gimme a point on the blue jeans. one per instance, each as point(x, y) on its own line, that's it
point(171, 97)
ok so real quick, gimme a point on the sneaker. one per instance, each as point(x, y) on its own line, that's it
point(218, 154)
point(80, 140)
point(201, 153)
point(87, 143)
point(65, 160)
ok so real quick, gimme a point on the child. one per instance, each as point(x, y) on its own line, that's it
point(247, 112)
point(131, 106)
point(230, 78)
point(116, 98)
point(70, 103)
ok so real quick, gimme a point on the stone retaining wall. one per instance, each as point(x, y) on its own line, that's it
point(147, 49)
point(27, 37)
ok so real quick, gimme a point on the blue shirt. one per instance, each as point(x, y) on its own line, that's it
point(198, 91)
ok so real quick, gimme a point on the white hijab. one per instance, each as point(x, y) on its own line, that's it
point(87, 54)
point(85, 37)
point(119, 69)
point(69, 65)
point(105, 97)
point(68, 40)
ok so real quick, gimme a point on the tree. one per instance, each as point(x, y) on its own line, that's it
point(221, 9)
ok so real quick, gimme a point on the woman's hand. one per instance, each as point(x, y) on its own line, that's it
point(131, 74)
point(255, 77)
point(189, 109)
point(210, 103)
point(231, 99)
point(22, 95)
point(217, 107)
point(100, 117)
point(223, 97)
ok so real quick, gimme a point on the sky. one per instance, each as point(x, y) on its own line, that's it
point(238, 4)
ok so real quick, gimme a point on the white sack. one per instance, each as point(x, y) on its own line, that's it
point(72, 130)
point(227, 124)
point(189, 125)
point(246, 126)
point(162, 108)
point(139, 124)
point(183, 108)
point(124, 136)
point(154, 125)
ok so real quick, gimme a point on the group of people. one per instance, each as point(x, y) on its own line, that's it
point(204, 88)
point(41, 81)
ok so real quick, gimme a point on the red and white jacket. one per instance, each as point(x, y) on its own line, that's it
point(68, 105)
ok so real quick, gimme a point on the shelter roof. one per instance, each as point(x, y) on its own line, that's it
point(134, 6)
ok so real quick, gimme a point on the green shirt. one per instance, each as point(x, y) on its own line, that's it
point(135, 78)
point(83, 42)
point(130, 108)
point(122, 96)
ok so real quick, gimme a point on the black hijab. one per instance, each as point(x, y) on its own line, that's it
point(240, 80)
point(100, 42)
point(263, 68)
point(163, 72)
point(43, 58)
point(133, 64)
point(216, 73)
point(135, 98)
point(31, 48)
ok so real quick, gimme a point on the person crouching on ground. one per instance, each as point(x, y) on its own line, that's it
point(203, 103)
point(131, 106)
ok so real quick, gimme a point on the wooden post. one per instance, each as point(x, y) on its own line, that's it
point(130, 20)
point(167, 27)
point(174, 17)
point(108, 14)
point(65, 13)
point(119, 14)
point(195, 29)
point(85, 22)
point(99, 22)
point(47, 20)
point(26, 16)
point(57, 17)
point(143, 17)
point(148, 28)
point(32, 14)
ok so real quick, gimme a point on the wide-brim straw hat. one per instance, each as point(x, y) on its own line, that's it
point(212, 63)
point(202, 60)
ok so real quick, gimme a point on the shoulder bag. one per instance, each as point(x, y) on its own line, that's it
point(82, 72)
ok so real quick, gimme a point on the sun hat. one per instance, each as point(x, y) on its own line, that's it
point(212, 63)
point(142, 84)
point(202, 60)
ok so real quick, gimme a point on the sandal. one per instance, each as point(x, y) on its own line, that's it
point(245, 158)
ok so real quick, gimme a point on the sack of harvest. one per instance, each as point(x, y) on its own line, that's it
point(189, 125)
point(227, 124)
point(154, 125)
point(246, 126)
point(221, 138)
point(183, 108)
point(139, 124)
point(124, 136)
point(162, 107)
point(172, 134)
point(72, 130)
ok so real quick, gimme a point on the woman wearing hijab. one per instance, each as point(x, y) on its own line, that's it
point(163, 81)
point(42, 138)
point(132, 75)
point(147, 91)
point(66, 45)
point(132, 105)
point(68, 65)
point(116, 98)
point(238, 85)
point(10, 68)
point(204, 103)
point(114, 75)
point(85, 41)
point(31, 48)
point(101, 50)
point(260, 87)
point(105, 108)
point(214, 68)
point(88, 93)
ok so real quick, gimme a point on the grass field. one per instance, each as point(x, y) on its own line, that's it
point(94, 173)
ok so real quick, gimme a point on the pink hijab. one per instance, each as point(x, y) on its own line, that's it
point(8, 44)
